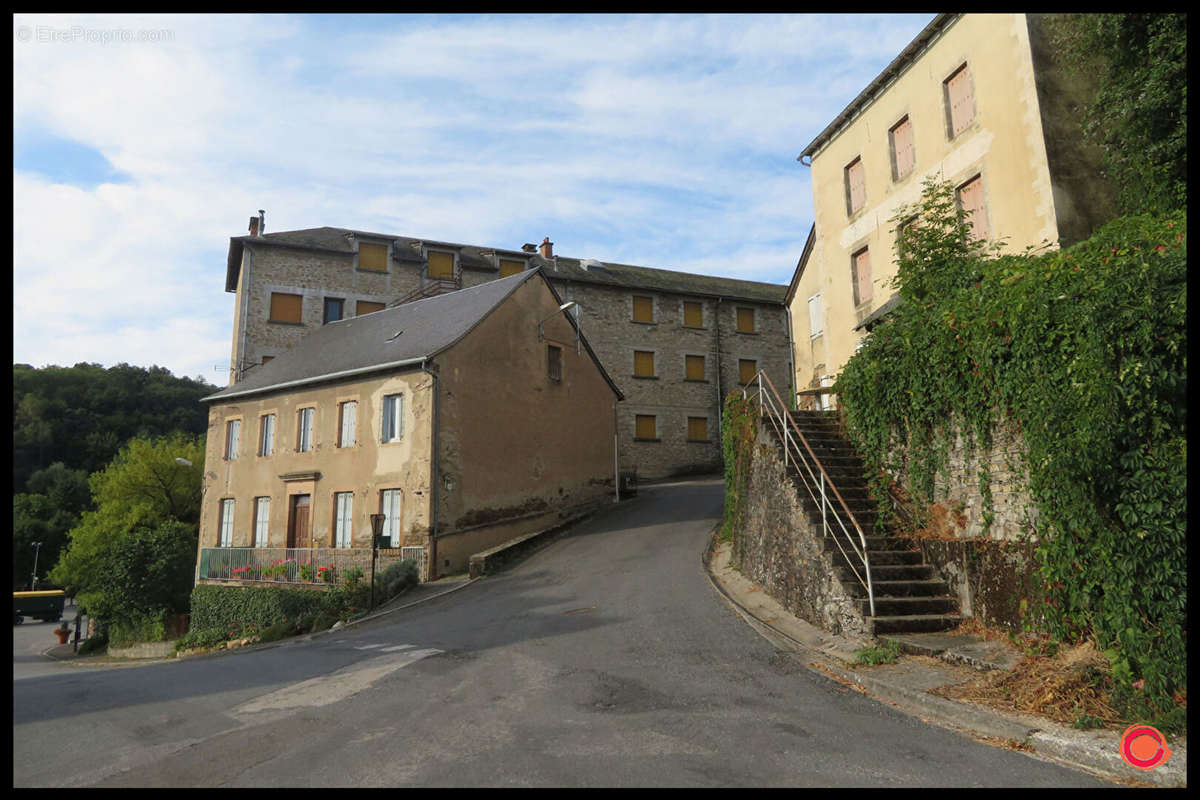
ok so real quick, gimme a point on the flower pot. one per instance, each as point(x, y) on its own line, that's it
point(63, 635)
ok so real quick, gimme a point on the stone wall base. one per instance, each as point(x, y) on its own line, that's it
point(990, 578)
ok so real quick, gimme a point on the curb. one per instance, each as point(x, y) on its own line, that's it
point(1095, 754)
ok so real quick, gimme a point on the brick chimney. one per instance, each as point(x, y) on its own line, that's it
point(258, 224)
point(547, 248)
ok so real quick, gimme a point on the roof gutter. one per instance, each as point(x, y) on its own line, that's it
point(317, 379)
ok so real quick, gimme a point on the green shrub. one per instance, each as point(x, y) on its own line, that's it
point(885, 653)
point(133, 629)
point(230, 608)
point(739, 427)
point(208, 637)
point(93, 644)
point(397, 578)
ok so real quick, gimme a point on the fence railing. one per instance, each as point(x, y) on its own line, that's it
point(797, 451)
point(309, 565)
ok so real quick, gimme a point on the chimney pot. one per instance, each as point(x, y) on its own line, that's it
point(529, 247)
point(262, 222)
point(547, 248)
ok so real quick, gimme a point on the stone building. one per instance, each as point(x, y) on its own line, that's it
point(980, 100)
point(673, 342)
point(467, 419)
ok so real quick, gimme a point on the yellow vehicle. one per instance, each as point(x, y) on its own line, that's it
point(46, 605)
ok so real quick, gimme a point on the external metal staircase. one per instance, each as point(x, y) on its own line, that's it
point(897, 592)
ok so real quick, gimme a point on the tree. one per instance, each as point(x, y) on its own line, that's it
point(143, 486)
point(143, 576)
point(1139, 113)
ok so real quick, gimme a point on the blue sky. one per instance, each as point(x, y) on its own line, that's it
point(142, 143)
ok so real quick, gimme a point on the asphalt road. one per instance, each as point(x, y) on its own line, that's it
point(606, 659)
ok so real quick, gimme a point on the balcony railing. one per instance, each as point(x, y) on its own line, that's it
point(310, 565)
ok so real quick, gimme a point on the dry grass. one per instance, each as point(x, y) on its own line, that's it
point(1073, 682)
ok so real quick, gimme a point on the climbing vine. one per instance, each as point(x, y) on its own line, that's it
point(1083, 351)
point(739, 426)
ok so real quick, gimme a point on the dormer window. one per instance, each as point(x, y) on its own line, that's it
point(372, 256)
point(510, 266)
point(441, 265)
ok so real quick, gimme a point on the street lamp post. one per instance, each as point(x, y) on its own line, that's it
point(376, 528)
point(37, 548)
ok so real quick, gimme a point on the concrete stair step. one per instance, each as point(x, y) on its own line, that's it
point(915, 623)
point(889, 572)
point(883, 558)
point(932, 587)
point(887, 606)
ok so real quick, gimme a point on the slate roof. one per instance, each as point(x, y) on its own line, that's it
point(390, 338)
point(339, 240)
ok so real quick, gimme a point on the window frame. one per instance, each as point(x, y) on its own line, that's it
point(820, 317)
point(687, 357)
point(737, 319)
point(429, 267)
point(633, 306)
point(358, 312)
point(500, 262)
point(742, 361)
point(978, 213)
point(225, 511)
point(856, 279)
point(301, 440)
point(343, 520)
point(261, 524)
point(651, 353)
point(950, 133)
point(391, 524)
point(387, 256)
point(897, 176)
point(636, 432)
point(684, 311)
point(266, 434)
point(689, 421)
point(554, 363)
point(851, 210)
point(271, 309)
point(397, 418)
point(233, 434)
point(341, 437)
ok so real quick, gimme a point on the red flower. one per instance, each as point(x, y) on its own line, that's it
point(1160, 248)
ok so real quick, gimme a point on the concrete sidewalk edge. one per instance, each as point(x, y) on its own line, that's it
point(1094, 752)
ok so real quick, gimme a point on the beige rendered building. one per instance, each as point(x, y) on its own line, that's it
point(675, 343)
point(978, 100)
point(467, 419)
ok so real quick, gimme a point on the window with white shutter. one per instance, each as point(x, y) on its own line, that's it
point(225, 524)
point(343, 522)
point(262, 521)
point(348, 413)
point(814, 316)
point(390, 506)
point(393, 417)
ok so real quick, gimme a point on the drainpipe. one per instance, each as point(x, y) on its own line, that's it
point(717, 331)
point(791, 360)
point(616, 462)
point(433, 483)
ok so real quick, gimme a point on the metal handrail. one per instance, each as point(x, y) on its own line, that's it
point(433, 287)
point(816, 482)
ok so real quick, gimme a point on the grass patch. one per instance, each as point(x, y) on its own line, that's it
point(886, 653)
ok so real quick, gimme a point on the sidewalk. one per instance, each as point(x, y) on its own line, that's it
point(931, 661)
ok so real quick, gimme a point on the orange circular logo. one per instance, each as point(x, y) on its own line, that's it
point(1143, 747)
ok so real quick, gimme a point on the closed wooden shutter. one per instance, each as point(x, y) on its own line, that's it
point(367, 307)
point(643, 309)
point(815, 326)
point(390, 506)
point(441, 265)
point(262, 521)
point(346, 437)
point(643, 364)
point(961, 101)
point(226, 524)
point(694, 368)
point(862, 276)
point(510, 267)
point(745, 320)
point(343, 521)
point(903, 154)
point(266, 437)
point(698, 429)
point(693, 314)
point(286, 307)
point(554, 362)
point(856, 186)
point(645, 427)
point(747, 369)
point(970, 203)
point(372, 257)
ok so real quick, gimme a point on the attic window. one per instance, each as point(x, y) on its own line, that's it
point(441, 265)
point(372, 257)
point(510, 267)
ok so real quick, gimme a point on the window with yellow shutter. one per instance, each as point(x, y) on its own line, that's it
point(367, 307)
point(286, 307)
point(747, 369)
point(697, 429)
point(694, 368)
point(441, 265)
point(510, 267)
point(372, 257)
point(643, 309)
point(645, 427)
point(745, 320)
point(693, 314)
point(643, 364)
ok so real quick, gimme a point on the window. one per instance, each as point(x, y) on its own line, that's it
point(693, 314)
point(697, 429)
point(747, 369)
point(390, 507)
point(225, 524)
point(343, 518)
point(232, 431)
point(367, 307)
point(441, 265)
point(347, 419)
point(333, 309)
point(856, 187)
point(508, 267)
point(860, 268)
point(904, 232)
point(645, 427)
point(266, 435)
point(903, 154)
point(814, 316)
point(393, 419)
point(643, 364)
point(554, 362)
point(970, 205)
point(960, 101)
point(643, 309)
point(262, 521)
point(304, 430)
point(693, 368)
point(745, 320)
point(372, 257)
point(286, 307)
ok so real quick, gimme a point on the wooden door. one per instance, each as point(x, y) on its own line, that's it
point(299, 530)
